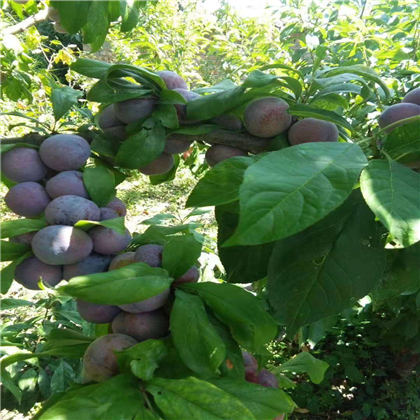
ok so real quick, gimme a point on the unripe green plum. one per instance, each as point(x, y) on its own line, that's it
point(23, 164)
point(28, 199)
point(64, 152)
point(58, 245)
point(312, 130)
point(267, 117)
point(100, 361)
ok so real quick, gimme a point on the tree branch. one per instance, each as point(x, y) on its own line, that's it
point(28, 22)
point(242, 141)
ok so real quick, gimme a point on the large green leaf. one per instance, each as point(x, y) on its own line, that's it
point(90, 68)
point(7, 274)
point(244, 314)
point(116, 224)
point(324, 269)
point(128, 284)
point(243, 264)
point(96, 28)
point(100, 184)
point(10, 228)
point(194, 399)
point(63, 98)
point(305, 363)
point(73, 14)
point(180, 253)
point(290, 189)
point(11, 250)
point(403, 143)
point(392, 191)
point(220, 185)
point(264, 403)
point(199, 346)
point(141, 148)
point(118, 398)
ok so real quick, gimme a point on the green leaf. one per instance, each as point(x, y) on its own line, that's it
point(7, 274)
point(244, 314)
point(199, 346)
point(392, 192)
point(264, 403)
point(62, 376)
point(366, 72)
point(90, 68)
point(10, 228)
point(117, 398)
point(96, 28)
point(220, 185)
point(100, 184)
point(6, 147)
point(141, 148)
point(65, 342)
point(73, 14)
point(180, 253)
point(403, 143)
point(63, 98)
point(304, 362)
point(324, 269)
point(128, 284)
point(243, 264)
point(116, 224)
point(210, 106)
point(130, 17)
point(143, 358)
point(194, 399)
point(290, 189)
point(257, 78)
point(167, 116)
point(102, 92)
point(301, 110)
point(11, 250)
point(10, 303)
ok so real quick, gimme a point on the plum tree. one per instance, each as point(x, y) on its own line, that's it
point(107, 213)
point(31, 270)
point(267, 379)
point(147, 305)
point(190, 276)
point(98, 314)
point(94, 263)
point(122, 260)
point(66, 183)
point(181, 109)
point(150, 254)
point(160, 165)
point(133, 110)
point(112, 127)
point(23, 164)
point(24, 238)
point(220, 152)
point(412, 97)
point(172, 80)
point(58, 245)
point(107, 241)
point(64, 152)
point(267, 117)
point(141, 326)
point(117, 205)
point(398, 112)
point(28, 199)
point(100, 361)
point(69, 209)
point(310, 130)
point(228, 121)
point(178, 143)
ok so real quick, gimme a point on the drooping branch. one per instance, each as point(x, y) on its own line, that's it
point(240, 140)
point(31, 138)
point(27, 23)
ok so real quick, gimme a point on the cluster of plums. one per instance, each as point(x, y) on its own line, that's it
point(49, 182)
point(264, 118)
